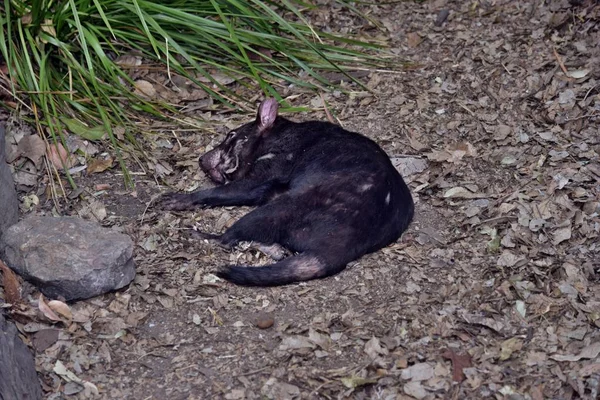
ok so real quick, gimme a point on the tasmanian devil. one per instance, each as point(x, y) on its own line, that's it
point(323, 192)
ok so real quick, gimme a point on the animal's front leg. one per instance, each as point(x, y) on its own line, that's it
point(237, 193)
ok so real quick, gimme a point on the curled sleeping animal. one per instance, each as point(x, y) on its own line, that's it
point(323, 192)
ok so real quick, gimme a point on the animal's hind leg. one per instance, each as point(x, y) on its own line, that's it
point(263, 225)
point(327, 235)
point(274, 251)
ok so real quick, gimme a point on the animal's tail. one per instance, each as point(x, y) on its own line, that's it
point(302, 267)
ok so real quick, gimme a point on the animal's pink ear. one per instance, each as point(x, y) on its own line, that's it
point(267, 113)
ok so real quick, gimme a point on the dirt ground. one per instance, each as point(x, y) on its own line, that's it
point(493, 292)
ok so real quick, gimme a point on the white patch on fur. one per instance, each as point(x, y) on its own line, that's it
point(267, 156)
point(387, 198)
point(233, 168)
point(275, 251)
point(307, 267)
point(365, 187)
point(289, 156)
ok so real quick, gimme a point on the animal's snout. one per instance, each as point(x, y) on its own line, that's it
point(211, 164)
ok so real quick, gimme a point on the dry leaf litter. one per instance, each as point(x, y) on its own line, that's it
point(492, 293)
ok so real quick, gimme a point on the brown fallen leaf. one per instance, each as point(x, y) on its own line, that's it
point(589, 369)
point(61, 308)
point(537, 392)
point(99, 165)
point(462, 149)
point(12, 287)
point(562, 234)
point(44, 338)
point(129, 60)
point(46, 310)
point(219, 77)
point(589, 352)
point(460, 192)
point(58, 156)
point(509, 346)
point(415, 389)
point(418, 372)
point(496, 326)
point(144, 89)
point(459, 362)
point(413, 141)
point(453, 153)
point(502, 132)
point(439, 155)
point(32, 147)
point(260, 54)
point(413, 39)
point(296, 342)
point(320, 339)
point(373, 348)
point(352, 382)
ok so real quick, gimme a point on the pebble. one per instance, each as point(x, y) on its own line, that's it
point(265, 321)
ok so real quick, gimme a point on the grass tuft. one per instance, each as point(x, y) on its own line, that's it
point(64, 57)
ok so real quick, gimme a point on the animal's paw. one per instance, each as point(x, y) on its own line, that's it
point(212, 238)
point(203, 235)
point(275, 251)
point(176, 202)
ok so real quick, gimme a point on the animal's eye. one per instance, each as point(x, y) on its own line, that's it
point(231, 134)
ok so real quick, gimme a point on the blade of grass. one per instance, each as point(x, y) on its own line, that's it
point(63, 59)
point(142, 18)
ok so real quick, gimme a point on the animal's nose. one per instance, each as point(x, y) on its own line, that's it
point(210, 160)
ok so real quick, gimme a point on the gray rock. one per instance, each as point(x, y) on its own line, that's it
point(9, 203)
point(69, 257)
point(18, 379)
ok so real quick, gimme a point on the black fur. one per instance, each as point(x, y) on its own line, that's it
point(329, 194)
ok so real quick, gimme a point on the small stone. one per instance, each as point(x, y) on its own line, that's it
point(265, 321)
point(441, 17)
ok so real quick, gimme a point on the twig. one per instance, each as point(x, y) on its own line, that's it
point(256, 371)
point(465, 107)
point(329, 117)
point(588, 92)
point(53, 191)
point(431, 237)
point(314, 392)
point(495, 219)
point(15, 98)
point(152, 199)
point(584, 116)
point(503, 198)
point(406, 155)
point(50, 165)
point(382, 71)
point(176, 138)
point(560, 62)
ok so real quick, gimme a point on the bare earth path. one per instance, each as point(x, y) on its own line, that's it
point(492, 293)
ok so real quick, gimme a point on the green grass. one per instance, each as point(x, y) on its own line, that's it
point(61, 56)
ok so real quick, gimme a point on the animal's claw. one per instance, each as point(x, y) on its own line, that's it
point(176, 202)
